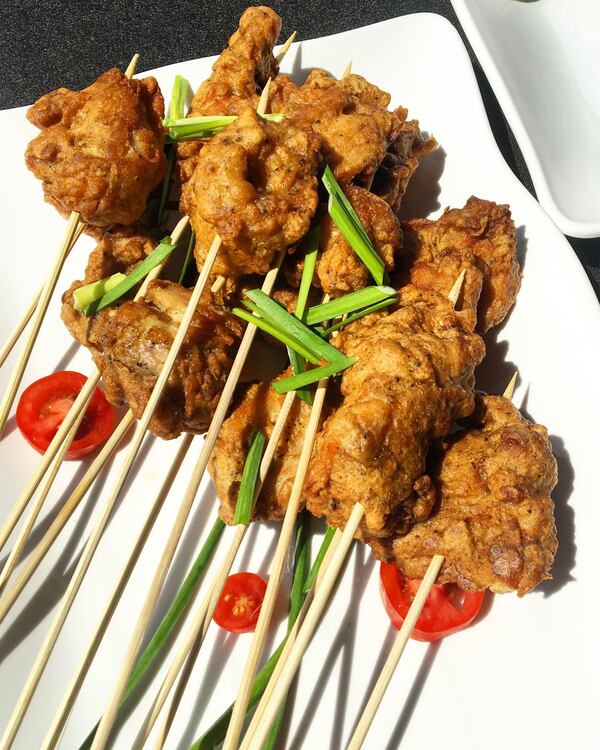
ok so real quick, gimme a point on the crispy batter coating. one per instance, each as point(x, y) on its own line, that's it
point(255, 185)
point(495, 520)
point(339, 269)
point(258, 410)
point(130, 344)
point(238, 76)
point(413, 377)
point(100, 151)
point(479, 238)
point(350, 115)
point(401, 160)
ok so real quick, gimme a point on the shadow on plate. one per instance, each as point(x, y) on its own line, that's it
point(341, 648)
point(423, 190)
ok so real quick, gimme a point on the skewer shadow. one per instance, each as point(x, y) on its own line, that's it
point(413, 697)
point(423, 190)
point(564, 514)
point(52, 589)
point(343, 647)
point(11, 426)
point(68, 356)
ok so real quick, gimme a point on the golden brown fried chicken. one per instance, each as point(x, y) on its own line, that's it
point(414, 376)
point(494, 523)
point(238, 76)
point(339, 269)
point(350, 115)
point(479, 238)
point(254, 185)
point(258, 410)
point(401, 160)
point(100, 151)
point(130, 344)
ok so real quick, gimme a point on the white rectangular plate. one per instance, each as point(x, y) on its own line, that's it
point(526, 675)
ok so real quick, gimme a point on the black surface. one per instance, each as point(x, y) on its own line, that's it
point(52, 43)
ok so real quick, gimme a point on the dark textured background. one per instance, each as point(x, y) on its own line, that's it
point(49, 43)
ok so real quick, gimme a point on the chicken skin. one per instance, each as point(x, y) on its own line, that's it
point(130, 344)
point(255, 185)
point(414, 376)
point(479, 238)
point(238, 77)
point(100, 150)
point(494, 522)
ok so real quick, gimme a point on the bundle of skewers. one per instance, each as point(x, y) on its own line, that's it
point(286, 251)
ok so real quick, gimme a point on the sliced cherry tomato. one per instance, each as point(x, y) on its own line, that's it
point(448, 607)
point(45, 403)
point(239, 606)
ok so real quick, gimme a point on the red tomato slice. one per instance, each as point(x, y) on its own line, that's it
point(239, 606)
point(448, 607)
point(45, 403)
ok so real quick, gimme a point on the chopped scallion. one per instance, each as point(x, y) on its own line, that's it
point(205, 126)
point(179, 98)
point(160, 253)
point(243, 507)
point(188, 255)
point(349, 303)
point(295, 329)
point(360, 314)
point(311, 246)
point(349, 224)
point(89, 293)
point(275, 332)
point(312, 376)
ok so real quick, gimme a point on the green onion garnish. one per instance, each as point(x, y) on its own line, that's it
point(289, 325)
point(188, 255)
point(346, 220)
point(89, 293)
point(298, 362)
point(166, 187)
point(274, 331)
point(204, 126)
point(312, 376)
point(245, 498)
point(360, 314)
point(179, 98)
point(215, 735)
point(314, 571)
point(170, 621)
point(349, 303)
point(156, 257)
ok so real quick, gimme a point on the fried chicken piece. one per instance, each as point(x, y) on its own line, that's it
point(401, 160)
point(238, 76)
point(100, 151)
point(414, 376)
point(494, 523)
point(254, 185)
point(339, 269)
point(479, 238)
point(350, 115)
point(258, 409)
point(130, 344)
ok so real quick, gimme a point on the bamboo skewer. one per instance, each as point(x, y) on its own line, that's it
point(197, 631)
point(94, 539)
point(20, 327)
point(285, 47)
point(38, 318)
point(404, 634)
point(265, 712)
point(109, 715)
point(11, 594)
point(17, 548)
point(74, 228)
point(68, 700)
point(396, 652)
